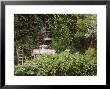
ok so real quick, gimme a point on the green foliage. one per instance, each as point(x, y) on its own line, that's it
point(74, 39)
point(26, 27)
point(63, 64)
point(67, 30)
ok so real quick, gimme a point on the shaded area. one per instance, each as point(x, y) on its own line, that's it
point(74, 32)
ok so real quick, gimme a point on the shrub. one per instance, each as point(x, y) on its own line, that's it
point(63, 64)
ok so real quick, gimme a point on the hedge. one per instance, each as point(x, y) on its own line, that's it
point(63, 64)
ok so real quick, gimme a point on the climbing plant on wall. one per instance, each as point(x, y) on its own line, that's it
point(69, 31)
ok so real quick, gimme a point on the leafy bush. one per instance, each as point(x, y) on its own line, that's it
point(63, 64)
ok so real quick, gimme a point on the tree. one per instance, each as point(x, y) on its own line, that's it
point(69, 31)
